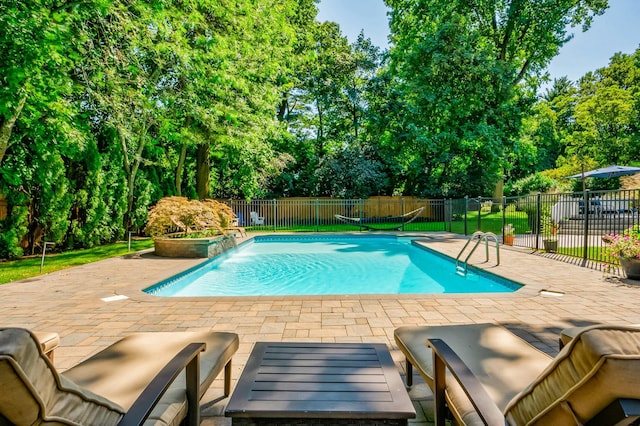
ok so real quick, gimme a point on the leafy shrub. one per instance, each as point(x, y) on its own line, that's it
point(181, 215)
point(536, 182)
point(14, 227)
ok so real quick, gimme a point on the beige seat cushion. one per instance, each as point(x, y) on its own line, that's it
point(38, 394)
point(122, 371)
point(568, 334)
point(599, 365)
point(504, 363)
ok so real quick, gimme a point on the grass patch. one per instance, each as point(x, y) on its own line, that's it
point(492, 222)
point(593, 252)
point(30, 267)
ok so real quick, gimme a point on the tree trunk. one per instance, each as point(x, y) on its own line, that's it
point(319, 134)
point(6, 126)
point(131, 169)
point(180, 168)
point(283, 107)
point(203, 170)
point(498, 192)
point(355, 121)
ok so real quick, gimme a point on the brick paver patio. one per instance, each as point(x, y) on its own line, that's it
point(70, 303)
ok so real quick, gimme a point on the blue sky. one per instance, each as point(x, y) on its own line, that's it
point(618, 30)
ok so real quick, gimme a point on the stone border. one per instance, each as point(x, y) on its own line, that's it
point(194, 247)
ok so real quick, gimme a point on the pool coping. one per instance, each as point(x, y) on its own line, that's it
point(421, 239)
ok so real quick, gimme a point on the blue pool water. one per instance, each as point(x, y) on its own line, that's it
point(320, 265)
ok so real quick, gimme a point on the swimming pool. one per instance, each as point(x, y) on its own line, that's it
point(321, 265)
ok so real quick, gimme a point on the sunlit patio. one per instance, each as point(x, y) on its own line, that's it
point(75, 303)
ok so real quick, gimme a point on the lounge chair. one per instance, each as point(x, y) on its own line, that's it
point(483, 374)
point(139, 379)
point(255, 219)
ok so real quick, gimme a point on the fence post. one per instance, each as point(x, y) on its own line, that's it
point(360, 214)
point(402, 214)
point(275, 214)
point(479, 214)
point(587, 207)
point(538, 214)
point(317, 215)
point(444, 213)
point(44, 249)
point(466, 206)
point(504, 215)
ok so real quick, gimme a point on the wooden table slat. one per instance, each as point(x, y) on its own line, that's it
point(309, 409)
point(321, 378)
point(319, 350)
point(326, 386)
point(312, 356)
point(354, 369)
point(321, 362)
point(321, 396)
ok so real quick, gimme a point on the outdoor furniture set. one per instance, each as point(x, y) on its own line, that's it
point(479, 373)
point(574, 208)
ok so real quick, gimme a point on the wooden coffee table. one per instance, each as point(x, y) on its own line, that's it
point(320, 383)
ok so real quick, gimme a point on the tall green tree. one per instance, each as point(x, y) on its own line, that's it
point(129, 52)
point(606, 113)
point(327, 112)
point(461, 66)
point(41, 130)
point(35, 59)
point(235, 82)
point(544, 130)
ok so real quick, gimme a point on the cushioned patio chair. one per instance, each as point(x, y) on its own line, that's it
point(255, 219)
point(150, 378)
point(483, 374)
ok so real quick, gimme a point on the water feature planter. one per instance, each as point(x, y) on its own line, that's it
point(193, 247)
point(631, 268)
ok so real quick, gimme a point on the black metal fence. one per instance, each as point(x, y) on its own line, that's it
point(330, 214)
point(571, 224)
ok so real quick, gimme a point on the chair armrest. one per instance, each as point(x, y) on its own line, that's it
point(189, 359)
point(445, 358)
point(621, 411)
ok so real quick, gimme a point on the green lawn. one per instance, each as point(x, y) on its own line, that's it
point(489, 222)
point(30, 267)
point(492, 222)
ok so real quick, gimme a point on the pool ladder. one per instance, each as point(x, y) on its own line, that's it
point(461, 268)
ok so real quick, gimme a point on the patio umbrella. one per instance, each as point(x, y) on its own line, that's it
point(606, 172)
